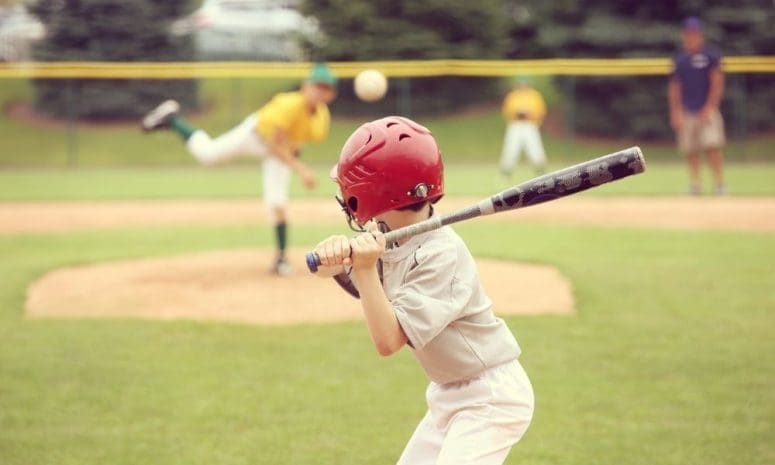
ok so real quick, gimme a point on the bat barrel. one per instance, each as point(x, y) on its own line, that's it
point(571, 180)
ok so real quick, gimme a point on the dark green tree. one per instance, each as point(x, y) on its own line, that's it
point(413, 30)
point(637, 106)
point(110, 30)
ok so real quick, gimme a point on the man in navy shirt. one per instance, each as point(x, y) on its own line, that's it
point(694, 94)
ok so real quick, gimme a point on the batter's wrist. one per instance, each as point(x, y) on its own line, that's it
point(366, 272)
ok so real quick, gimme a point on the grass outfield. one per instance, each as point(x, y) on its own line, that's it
point(667, 361)
point(472, 136)
point(244, 180)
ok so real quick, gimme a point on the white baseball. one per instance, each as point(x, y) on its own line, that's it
point(370, 85)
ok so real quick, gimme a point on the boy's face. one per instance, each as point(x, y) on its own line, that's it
point(692, 40)
point(387, 218)
point(317, 93)
point(399, 218)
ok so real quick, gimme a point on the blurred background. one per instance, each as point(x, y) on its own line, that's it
point(663, 361)
point(609, 103)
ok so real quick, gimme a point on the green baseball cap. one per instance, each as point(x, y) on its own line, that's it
point(321, 74)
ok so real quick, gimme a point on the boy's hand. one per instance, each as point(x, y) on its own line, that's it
point(676, 120)
point(308, 177)
point(367, 248)
point(706, 114)
point(334, 251)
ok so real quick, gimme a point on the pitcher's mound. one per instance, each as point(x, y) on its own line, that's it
point(236, 286)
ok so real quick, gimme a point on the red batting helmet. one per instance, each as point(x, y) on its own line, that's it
point(387, 164)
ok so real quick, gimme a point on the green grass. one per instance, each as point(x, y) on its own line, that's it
point(244, 181)
point(666, 361)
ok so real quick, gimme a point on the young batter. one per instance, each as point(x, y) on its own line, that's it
point(275, 134)
point(480, 401)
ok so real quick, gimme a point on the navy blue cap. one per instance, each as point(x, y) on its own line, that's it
point(692, 23)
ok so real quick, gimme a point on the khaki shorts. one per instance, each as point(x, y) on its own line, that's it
point(696, 135)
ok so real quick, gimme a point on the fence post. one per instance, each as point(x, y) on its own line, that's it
point(71, 127)
point(405, 97)
point(570, 113)
point(742, 123)
point(235, 100)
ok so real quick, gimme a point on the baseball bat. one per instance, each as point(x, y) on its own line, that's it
point(551, 186)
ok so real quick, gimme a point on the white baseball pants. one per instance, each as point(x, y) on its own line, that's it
point(522, 135)
point(476, 421)
point(243, 141)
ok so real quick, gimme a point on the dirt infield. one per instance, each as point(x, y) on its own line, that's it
point(702, 213)
point(235, 286)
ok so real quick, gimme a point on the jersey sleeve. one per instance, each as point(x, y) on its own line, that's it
point(673, 66)
point(540, 107)
point(431, 297)
point(279, 113)
point(319, 124)
point(714, 57)
point(507, 109)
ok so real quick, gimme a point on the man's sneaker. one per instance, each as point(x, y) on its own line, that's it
point(282, 268)
point(161, 116)
point(695, 190)
point(720, 190)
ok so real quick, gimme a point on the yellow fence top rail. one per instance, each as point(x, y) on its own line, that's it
point(408, 68)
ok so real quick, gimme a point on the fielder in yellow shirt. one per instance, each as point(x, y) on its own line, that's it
point(275, 134)
point(524, 110)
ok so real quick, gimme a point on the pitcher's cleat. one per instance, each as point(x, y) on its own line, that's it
point(282, 268)
point(161, 116)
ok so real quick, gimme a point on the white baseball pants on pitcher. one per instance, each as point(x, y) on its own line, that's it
point(244, 141)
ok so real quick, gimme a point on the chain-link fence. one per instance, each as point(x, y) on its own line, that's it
point(225, 92)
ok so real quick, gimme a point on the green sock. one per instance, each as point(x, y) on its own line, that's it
point(182, 127)
point(281, 233)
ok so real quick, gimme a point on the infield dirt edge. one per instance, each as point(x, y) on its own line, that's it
point(236, 286)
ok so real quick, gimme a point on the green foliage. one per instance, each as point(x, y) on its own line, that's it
point(410, 30)
point(110, 30)
point(368, 30)
point(637, 106)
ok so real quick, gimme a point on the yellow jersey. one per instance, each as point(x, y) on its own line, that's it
point(524, 104)
point(288, 111)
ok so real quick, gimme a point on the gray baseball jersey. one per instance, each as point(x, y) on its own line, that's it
point(433, 285)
